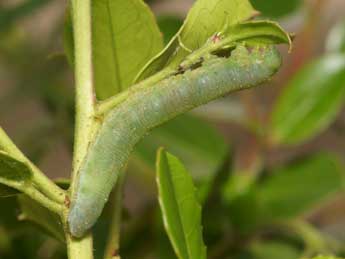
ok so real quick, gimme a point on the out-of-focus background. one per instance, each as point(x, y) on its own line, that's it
point(37, 109)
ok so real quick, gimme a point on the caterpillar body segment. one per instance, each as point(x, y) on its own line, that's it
point(149, 107)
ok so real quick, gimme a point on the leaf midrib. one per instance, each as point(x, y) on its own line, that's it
point(113, 48)
point(178, 208)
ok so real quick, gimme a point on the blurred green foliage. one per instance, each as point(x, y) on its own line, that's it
point(246, 224)
point(310, 102)
point(169, 25)
point(276, 9)
point(8, 16)
point(336, 39)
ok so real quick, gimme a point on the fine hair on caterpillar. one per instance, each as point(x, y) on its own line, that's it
point(148, 107)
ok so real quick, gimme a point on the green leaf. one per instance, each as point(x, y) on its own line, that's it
point(163, 248)
point(258, 32)
point(336, 38)
point(179, 206)
point(298, 187)
point(199, 144)
point(310, 102)
point(42, 217)
point(13, 173)
point(125, 38)
point(203, 20)
point(251, 33)
point(274, 8)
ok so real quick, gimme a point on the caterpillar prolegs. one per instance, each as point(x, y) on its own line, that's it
point(148, 107)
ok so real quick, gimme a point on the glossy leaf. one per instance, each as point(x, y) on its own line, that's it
point(274, 8)
point(310, 102)
point(298, 187)
point(204, 19)
point(42, 217)
point(336, 38)
point(180, 209)
point(258, 32)
point(163, 246)
point(251, 33)
point(125, 37)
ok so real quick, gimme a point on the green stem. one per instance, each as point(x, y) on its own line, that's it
point(81, 13)
point(79, 248)
point(43, 200)
point(41, 181)
point(84, 126)
point(36, 195)
point(113, 242)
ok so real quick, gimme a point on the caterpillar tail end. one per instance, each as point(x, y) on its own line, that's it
point(78, 225)
point(82, 218)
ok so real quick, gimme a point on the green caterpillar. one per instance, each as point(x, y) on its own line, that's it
point(148, 107)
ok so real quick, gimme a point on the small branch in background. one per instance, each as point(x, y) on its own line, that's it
point(252, 109)
point(314, 240)
point(248, 157)
point(113, 242)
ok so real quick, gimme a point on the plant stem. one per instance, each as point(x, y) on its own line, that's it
point(35, 195)
point(84, 127)
point(44, 201)
point(81, 13)
point(113, 242)
point(79, 248)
